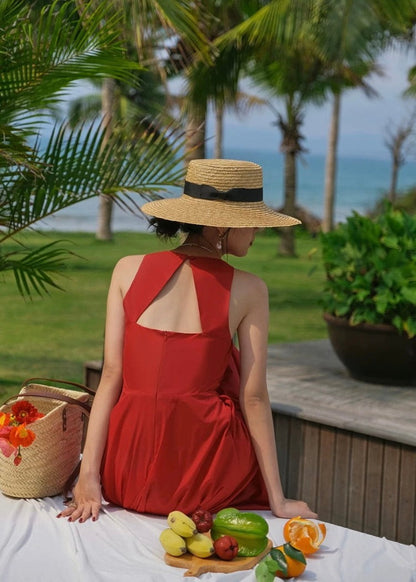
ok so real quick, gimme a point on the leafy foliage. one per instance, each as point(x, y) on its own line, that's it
point(44, 169)
point(371, 270)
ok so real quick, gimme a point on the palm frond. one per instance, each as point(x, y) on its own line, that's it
point(37, 64)
point(32, 268)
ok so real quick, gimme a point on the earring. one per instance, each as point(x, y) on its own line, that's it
point(219, 244)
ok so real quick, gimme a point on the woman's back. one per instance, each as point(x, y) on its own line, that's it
point(177, 428)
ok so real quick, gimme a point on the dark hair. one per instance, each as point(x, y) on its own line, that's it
point(169, 228)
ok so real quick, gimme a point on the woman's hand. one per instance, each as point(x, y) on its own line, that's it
point(86, 501)
point(292, 508)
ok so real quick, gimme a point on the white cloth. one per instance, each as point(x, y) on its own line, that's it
point(123, 546)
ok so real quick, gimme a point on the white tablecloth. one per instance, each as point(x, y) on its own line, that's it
point(123, 546)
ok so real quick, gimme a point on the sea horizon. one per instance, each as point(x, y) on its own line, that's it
point(361, 181)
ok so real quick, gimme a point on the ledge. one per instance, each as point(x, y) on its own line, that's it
point(306, 380)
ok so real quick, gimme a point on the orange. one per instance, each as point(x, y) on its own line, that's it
point(293, 561)
point(304, 534)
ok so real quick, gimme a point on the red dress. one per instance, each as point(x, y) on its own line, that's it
point(177, 438)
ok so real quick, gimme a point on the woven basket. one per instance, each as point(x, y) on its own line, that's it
point(49, 462)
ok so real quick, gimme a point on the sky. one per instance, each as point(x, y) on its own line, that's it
point(363, 120)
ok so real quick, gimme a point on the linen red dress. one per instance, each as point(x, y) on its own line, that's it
point(177, 438)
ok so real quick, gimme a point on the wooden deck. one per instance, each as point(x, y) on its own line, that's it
point(346, 447)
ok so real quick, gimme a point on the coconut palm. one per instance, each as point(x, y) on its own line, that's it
point(45, 168)
point(150, 27)
point(350, 35)
point(296, 78)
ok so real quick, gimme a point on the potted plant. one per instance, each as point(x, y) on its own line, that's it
point(369, 297)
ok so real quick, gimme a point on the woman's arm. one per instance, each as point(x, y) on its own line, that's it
point(254, 398)
point(87, 492)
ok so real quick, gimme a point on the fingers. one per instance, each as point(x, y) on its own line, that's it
point(81, 511)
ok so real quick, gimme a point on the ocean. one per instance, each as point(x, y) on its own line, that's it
point(360, 183)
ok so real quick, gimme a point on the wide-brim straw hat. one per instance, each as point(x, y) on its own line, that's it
point(217, 192)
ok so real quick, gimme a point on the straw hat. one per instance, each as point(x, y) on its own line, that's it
point(227, 193)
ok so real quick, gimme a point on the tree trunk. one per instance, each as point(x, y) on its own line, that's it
point(105, 209)
point(393, 183)
point(287, 239)
point(195, 134)
point(331, 166)
point(219, 130)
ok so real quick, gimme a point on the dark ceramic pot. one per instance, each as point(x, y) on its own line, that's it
point(373, 353)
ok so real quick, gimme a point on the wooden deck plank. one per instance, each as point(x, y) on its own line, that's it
point(296, 455)
point(309, 487)
point(325, 472)
point(390, 492)
point(406, 528)
point(357, 482)
point(282, 435)
point(373, 489)
point(341, 477)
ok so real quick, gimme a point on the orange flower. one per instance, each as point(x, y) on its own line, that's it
point(4, 419)
point(24, 412)
point(20, 436)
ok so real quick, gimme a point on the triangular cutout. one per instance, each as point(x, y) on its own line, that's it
point(175, 308)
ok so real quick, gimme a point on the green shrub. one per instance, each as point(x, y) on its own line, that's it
point(370, 268)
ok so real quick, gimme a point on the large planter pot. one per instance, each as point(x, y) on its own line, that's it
point(373, 353)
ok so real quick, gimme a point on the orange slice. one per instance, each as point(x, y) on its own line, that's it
point(304, 534)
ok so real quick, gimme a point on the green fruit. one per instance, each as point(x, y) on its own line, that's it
point(249, 529)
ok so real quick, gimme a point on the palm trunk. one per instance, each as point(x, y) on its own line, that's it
point(394, 179)
point(105, 209)
point(219, 130)
point(331, 166)
point(287, 239)
point(195, 134)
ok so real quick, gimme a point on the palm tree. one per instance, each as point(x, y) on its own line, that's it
point(42, 174)
point(347, 35)
point(296, 78)
point(214, 81)
point(350, 35)
point(150, 27)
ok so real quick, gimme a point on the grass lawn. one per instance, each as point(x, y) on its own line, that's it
point(54, 335)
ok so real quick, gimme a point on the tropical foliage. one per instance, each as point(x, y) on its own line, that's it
point(46, 167)
point(371, 271)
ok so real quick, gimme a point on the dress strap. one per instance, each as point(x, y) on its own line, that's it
point(154, 272)
point(213, 279)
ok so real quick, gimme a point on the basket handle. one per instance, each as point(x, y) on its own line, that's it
point(86, 407)
point(55, 380)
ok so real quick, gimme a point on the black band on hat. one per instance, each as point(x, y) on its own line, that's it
point(207, 192)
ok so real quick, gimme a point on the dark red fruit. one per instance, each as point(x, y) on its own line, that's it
point(202, 519)
point(226, 547)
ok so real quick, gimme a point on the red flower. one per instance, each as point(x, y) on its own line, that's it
point(24, 412)
point(18, 459)
point(20, 436)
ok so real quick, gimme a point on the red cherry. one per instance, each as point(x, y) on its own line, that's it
point(226, 547)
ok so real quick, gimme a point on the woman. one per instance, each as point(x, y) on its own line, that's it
point(181, 419)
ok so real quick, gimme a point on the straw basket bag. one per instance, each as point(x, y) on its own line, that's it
point(51, 463)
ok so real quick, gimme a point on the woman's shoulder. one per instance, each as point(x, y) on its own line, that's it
point(249, 282)
point(125, 271)
point(128, 263)
point(248, 291)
